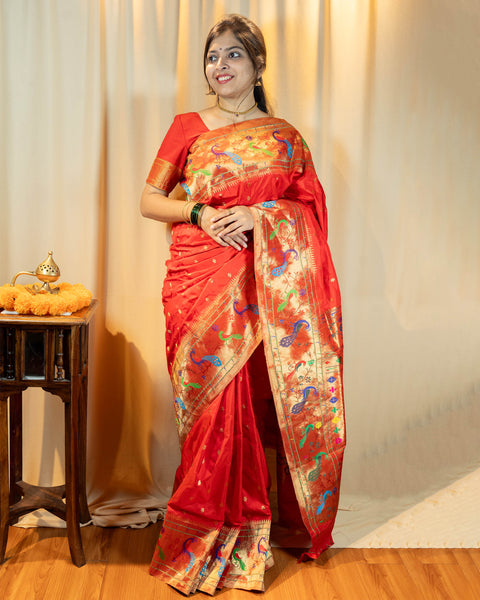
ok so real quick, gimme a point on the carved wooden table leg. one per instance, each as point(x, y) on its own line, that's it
point(16, 450)
point(72, 488)
point(82, 450)
point(4, 488)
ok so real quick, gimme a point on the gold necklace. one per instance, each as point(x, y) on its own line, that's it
point(237, 113)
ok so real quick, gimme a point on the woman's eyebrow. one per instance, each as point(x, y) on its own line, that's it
point(227, 49)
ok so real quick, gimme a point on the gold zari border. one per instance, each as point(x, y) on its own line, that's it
point(163, 175)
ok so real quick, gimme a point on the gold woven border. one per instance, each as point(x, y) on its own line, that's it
point(163, 175)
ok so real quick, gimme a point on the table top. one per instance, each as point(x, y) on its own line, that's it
point(80, 317)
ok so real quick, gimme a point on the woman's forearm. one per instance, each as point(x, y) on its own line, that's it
point(155, 204)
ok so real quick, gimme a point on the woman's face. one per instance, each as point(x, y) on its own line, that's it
point(229, 70)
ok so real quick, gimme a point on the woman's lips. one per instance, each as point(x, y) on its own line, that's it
point(224, 78)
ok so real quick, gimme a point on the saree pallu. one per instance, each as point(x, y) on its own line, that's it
point(224, 308)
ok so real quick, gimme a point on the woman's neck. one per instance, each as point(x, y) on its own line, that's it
point(237, 106)
point(237, 111)
point(214, 118)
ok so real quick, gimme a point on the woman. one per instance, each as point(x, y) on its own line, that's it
point(254, 337)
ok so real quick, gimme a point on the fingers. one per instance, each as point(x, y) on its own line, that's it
point(224, 213)
point(205, 224)
point(223, 220)
point(232, 221)
point(229, 215)
point(233, 229)
point(236, 245)
point(237, 241)
point(226, 227)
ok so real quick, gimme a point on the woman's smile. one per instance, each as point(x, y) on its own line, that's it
point(224, 78)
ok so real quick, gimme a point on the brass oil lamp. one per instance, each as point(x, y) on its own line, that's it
point(47, 271)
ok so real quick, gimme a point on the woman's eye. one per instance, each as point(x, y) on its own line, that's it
point(234, 54)
point(211, 58)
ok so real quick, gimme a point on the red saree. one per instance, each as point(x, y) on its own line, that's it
point(227, 312)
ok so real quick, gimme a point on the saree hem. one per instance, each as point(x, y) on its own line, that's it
point(315, 551)
point(203, 557)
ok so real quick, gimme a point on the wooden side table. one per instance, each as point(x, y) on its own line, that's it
point(51, 353)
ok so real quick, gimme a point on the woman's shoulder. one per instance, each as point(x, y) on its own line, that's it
point(286, 124)
point(189, 120)
point(188, 126)
point(283, 124)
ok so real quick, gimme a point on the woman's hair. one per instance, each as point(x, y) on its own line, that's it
point(248, 34)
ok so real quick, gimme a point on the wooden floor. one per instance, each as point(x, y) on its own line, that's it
point(38, 567)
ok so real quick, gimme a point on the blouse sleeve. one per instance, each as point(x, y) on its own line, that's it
point(167, 167)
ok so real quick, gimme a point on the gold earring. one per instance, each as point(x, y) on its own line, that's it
point(258, 83)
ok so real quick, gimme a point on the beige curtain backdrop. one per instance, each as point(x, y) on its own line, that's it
point(387, 95)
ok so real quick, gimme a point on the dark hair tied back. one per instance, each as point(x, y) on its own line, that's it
point(250, 36)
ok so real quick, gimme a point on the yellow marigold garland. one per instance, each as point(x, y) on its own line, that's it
point(70, 298)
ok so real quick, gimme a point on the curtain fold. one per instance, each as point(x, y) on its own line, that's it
point(386, 95)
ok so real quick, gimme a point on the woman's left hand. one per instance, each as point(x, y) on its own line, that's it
point(232, 221)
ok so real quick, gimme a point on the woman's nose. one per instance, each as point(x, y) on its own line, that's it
point(221, 63)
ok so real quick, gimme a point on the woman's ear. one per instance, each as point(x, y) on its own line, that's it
point(260, 71)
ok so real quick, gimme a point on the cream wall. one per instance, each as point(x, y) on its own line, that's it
point(386, 94)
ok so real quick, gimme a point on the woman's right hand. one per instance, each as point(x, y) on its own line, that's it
point(236, 240)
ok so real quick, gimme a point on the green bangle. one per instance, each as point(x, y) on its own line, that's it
point(195, 212)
